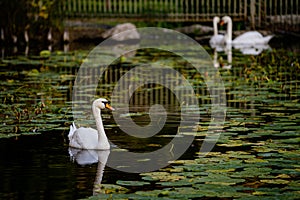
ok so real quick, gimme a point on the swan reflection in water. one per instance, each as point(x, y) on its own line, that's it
point(244, 49)
point(219, 62)
point(87, 157)
point(252, 49)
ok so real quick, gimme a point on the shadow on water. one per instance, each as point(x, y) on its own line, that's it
point(40, 167)
point(261, 132)
point(287, 42)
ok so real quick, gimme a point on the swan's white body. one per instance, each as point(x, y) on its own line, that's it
point(217, 38)
point(88, 138)
point(252, 37)
point(249, 38)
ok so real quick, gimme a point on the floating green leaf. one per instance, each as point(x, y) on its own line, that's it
point(110, 188)
point(219, 179)
point(132, 183)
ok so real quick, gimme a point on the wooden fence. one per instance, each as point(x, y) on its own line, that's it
point(275, 14)
point(168, 10)
point(258, 13)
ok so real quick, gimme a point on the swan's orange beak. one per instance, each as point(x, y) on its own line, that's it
point(109, 106)
point(222, 22)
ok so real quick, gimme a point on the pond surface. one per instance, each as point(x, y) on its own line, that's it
point(256, 156)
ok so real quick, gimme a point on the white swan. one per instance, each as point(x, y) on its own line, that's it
point(216, 39)
point(248, 38)
point(88, 138)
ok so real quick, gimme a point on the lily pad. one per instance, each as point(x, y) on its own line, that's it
point(252, 172)
point(132, 183)
point(110, 188)
point(220, 191)
point(219, 179)
point(161, 176)
point(182, 182)
point(153, 193)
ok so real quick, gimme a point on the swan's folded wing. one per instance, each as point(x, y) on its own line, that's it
point(248, 38)
point(84, 138)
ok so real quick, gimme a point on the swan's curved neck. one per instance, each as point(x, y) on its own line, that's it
point(215, 26)
point(99, 124)
point(229, 31)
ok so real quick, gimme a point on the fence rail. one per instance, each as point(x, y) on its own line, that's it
point(170, 10)
point(259, 13)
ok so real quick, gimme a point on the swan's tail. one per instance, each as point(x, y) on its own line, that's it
point(268, 38)
point(72, 130)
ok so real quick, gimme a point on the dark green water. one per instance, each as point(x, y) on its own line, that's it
point(257, 155)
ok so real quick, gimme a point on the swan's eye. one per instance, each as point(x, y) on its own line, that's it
point(106, 102)
point(107, 105)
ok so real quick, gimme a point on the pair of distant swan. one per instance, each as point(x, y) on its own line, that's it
point(248, 38)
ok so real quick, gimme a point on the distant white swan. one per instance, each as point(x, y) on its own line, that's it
point(217, 38)
point(88, 138)
point(248, 38)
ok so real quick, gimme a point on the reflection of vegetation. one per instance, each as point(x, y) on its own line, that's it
point(13, 16)
point(37, 16)
point(42, 16)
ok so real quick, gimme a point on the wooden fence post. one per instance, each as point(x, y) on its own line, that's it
point(252, 14)
point(259, 13)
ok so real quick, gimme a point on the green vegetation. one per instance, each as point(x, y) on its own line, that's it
point(256, 157)
point(34, 91)
point(35, 16)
